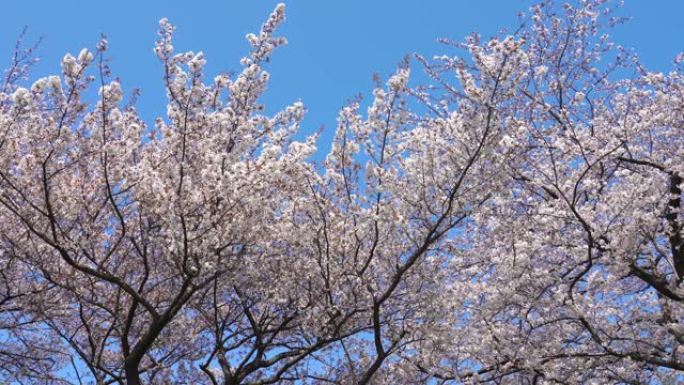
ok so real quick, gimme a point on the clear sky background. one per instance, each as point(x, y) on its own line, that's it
point(334, 46)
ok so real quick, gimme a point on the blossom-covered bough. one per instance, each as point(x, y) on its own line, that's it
point(576, 260)
point(516, 220)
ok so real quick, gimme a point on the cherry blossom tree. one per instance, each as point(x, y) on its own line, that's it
point(514, 219)
point(575, 263)
point(123, 227)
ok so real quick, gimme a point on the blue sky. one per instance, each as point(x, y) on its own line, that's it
point(334, 46)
